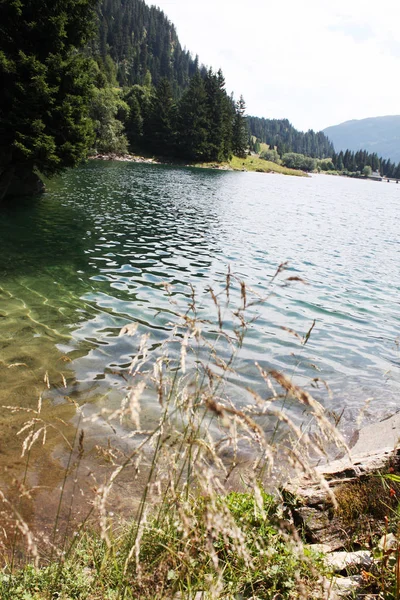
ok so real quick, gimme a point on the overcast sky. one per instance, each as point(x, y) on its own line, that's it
point(315, 62)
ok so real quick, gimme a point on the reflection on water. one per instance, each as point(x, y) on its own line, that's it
point(96, 251)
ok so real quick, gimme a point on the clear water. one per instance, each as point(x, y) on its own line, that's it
point(92, 254)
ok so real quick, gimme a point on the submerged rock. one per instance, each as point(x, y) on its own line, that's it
point(20, 182)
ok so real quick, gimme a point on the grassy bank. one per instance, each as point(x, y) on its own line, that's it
point(232, 546)
point(253, 164)
point(249, 163)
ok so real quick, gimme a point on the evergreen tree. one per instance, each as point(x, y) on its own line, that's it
point(160, 125)
point(214, 114)
point(219, 116)
point(46, 89)
point(193, 121)
point(227, 119)
point(280, 131)
point(140, 38)
point(134, 122)
point(240, 130)
point(340, 161)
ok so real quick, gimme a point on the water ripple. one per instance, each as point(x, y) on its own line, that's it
point(96, 251)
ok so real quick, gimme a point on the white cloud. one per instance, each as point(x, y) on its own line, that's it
point(316, 63)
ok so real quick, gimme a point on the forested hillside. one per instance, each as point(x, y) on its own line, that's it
point(152, 96)
point(129, 87)
point(377, 134)
point(140, 39)
point(281, 134)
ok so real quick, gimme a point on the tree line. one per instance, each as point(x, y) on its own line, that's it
point(112, 77)
point(140, 39)
point(280, 134)
point(356, 162)
point(204, 124)
point(63, 95)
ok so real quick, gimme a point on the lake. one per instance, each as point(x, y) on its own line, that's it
point(96, 251)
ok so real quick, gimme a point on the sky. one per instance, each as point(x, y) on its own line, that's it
point(315, 62)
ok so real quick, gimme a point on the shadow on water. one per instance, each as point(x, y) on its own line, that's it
point(76, 264)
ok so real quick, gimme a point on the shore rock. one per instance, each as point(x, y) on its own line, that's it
point(371, 449)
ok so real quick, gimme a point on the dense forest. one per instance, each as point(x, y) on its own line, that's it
point(160, 100)
point(111, 77)
point(140, 39)
point(281, 134)
point(357, 162)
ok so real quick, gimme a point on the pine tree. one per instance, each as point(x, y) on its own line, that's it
point(160, 125)
point(240, 130)
point(219, 116)
point(46, 89)
point(134, 122)
point(280, 131)
point(227, 120)
point(193, 123)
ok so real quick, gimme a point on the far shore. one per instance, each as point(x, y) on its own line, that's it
point(247, 164)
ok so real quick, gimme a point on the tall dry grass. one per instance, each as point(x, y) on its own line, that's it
point(203, 521)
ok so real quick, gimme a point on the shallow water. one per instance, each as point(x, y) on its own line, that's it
point(94, 253)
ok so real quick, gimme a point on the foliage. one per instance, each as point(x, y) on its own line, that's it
point(325, 165)
point(46, 85)
point(140, 39)
point(171, 561)
point(353, 162)
point(281, 133)
point(299, 161)
point(367, 171)
point(240, 130)
point(253, 163)
point(271, 155)
point(106, 106)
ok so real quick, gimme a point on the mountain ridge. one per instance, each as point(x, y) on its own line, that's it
point(374, 134)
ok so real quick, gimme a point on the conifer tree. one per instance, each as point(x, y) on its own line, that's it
point(193, 123)
point(214, 114)
point(160, 126)
point(227, 119)
point(46, 89)
point(240, 130)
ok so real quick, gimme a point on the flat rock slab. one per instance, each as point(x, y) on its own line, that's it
point(370, 451)
point(348, 561)
point(346, 587)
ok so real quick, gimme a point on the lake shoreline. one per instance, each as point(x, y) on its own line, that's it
point(255, 164)
point(135, 158)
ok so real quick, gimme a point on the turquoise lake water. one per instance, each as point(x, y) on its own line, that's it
point(94, 253)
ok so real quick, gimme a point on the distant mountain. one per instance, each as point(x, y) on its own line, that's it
point(376, 134)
